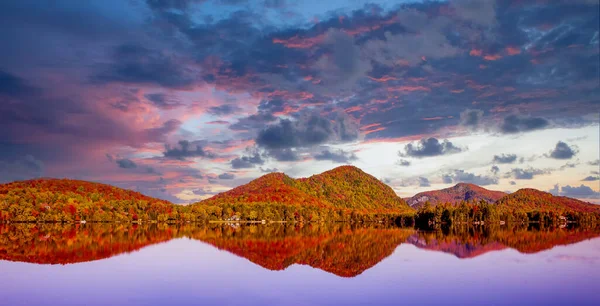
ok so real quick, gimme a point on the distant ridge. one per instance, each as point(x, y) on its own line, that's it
point(455, 194)
point(532, 199)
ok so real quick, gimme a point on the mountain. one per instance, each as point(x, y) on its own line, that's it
point(528, 199)
point(455, 194)
point(68, 200)
point(336, 194)
point(350, 187)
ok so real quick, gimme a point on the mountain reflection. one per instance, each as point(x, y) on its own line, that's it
point(343, 249)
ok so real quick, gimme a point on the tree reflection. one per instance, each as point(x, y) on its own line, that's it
point(343, 249)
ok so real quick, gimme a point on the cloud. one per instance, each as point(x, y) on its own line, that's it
point(594, 162)
point(284, 155)
point(424, 37)
point(253, 122)
point(226, 176)
point(403, 163)
point(225, 109)
point(26, 167)
point(495, 169)
point(268, 170)
point(461, 176)
point(505, 158)
point(184, 150)
point(340, 156)
point(12, 85)
point(518, 124)
point(203, 191)
point(563, 151)
point(137, 64)
point(248, 161)
point(428, 147)
point(275, 4)
point(424, 182)
point(481, 12)
point(512, 183)
point(126, 163)
point(568, 165)
point(344, 63)
point(171, 4)
point(591, 178)
point(581, 192)
point(525, 174)
point(163, 101)
point(471, 118)
point(308, 131)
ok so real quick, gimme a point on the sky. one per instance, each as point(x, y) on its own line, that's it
point(182, 99)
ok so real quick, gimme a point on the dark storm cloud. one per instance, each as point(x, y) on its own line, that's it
point(137, 64)
point(126, 163)
point(429, 147)
point(309, 130)
point(461, 176)
point(563, 151)
point(518, 124)
point(226, 176)
point(505, 158)
point(525, 174)
point(186, 149)
point(591, 178)
point(339, 156)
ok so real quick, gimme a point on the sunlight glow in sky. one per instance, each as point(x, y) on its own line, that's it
point(182, 99)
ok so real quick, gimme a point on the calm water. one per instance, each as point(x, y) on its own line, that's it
point(296, 265)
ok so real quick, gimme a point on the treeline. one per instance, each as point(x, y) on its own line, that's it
point(294, 213)
point(483, 212)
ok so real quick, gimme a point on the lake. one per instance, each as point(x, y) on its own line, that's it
point(294, 264)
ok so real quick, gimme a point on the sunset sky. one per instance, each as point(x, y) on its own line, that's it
point(182, 99)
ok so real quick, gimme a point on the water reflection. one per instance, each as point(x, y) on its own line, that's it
point(342, 249)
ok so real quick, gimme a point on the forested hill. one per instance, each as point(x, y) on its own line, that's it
point(454, 195)
point(69, 200)
point(529, 199)
point(332, 195)
point(342, 194)
point(350, 187)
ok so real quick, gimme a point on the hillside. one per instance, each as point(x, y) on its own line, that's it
point(528, 199)
point(454, 195)
point(70, 200)
point(338, 194)
point(350, 187)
